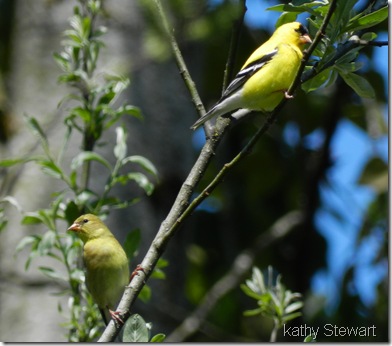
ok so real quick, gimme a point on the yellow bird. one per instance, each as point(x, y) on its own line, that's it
point(266, 76)
point(107, 270)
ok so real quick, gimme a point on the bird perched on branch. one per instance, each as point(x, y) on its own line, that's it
point(107, 270)
point(266, 76)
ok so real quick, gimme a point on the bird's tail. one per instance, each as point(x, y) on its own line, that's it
point(203, 119)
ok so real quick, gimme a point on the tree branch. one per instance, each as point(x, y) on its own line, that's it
point(181, 207)
point(161, 17)
point(240, 267)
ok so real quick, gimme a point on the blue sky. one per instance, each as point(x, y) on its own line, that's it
point(351, 148)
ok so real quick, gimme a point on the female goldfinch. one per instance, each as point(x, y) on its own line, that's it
point(266, 76)
point(107, 271)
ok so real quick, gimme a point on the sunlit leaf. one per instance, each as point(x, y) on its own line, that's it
point(135, 330)
point(310, 338)
point(143, 162)
point(158, 338)
point(120, 149)
point(366, 21)
point(89, 156)
point(51, 273)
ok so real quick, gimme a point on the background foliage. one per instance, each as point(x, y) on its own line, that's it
point(285, 173)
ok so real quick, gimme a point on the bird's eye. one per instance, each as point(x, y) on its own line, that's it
point(85, 220)
point(302, 30)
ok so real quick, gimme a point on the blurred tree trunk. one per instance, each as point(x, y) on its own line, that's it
point(29, 310)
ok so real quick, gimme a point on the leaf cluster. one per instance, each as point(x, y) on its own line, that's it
point(273, 299)
point(93, 112)
point(137, 330)
point(337, 54)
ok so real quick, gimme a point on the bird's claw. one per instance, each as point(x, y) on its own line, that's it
point(287, 95)
point(136, 271)
point(116, 316)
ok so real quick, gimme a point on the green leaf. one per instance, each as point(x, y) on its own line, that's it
point(254, 312)
point(131, 110)
point(34, 241)
point(139, 178)
point(286, 17)
point(89, 156)
point(107, 98)
point(289, 317)
point(158, 338)
point(162, 263)
point(249, 292)
point(47, 241)
point(31, 239)
point(145, 294)
point(368, 20)
point(120, 150)
point(51, 273)
point(115, 115)
point(51, 169)
point(310, 338)
point(369, 36)
point(158, 274)
point(359, 84)
point(81, 113)
point(303, 6)
point(63, 60)
point(13, 201)
point(317, 81)
point(13, 162)
point(143, 162)
point(293, 306)
point(38, 132)
point(135, 330)
point(32, 219)
point(71, 212)
point(132, 242)
point(339, 18)
point(3, 223)
point(45, 246)
point(375, 175)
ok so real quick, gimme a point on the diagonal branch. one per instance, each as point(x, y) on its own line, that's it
point(161, 17)
point(181, 207)
point(236, 274)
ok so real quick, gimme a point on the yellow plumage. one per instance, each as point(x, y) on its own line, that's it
point(107, 270)
point(266, 76)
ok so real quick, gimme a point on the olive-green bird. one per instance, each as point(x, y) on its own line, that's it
point(107, 270)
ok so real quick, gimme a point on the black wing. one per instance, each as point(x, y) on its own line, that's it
point(242, 76)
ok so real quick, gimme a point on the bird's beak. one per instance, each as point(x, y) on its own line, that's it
point(75, 227)
point(306, 39)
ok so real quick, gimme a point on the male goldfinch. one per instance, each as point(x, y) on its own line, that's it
point(266, 76)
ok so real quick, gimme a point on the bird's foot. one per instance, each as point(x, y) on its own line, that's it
point(116, 316)
point(287, 95)
point(136, 271)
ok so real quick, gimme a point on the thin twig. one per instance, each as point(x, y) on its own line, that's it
point(233, 48)
point(180, 208)
point(165, 233)
point(319, 35)
point(236, 274)
point(179, 59)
